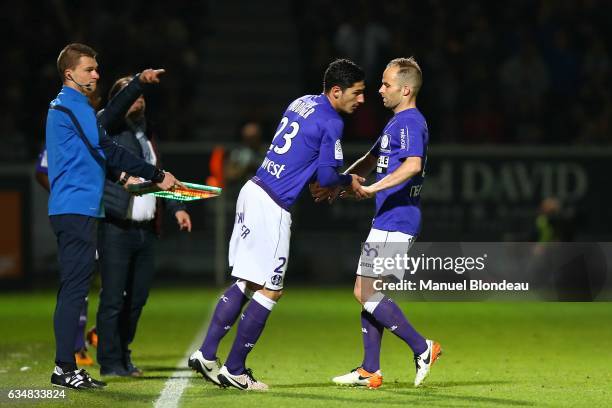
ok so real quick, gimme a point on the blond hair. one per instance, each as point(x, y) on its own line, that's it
point(409, 72)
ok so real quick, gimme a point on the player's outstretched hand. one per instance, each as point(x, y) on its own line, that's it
point(351, 190)
point(355, 186)
point(323, 193)
point(151, 76)
point(364, 192)
point(169, 182)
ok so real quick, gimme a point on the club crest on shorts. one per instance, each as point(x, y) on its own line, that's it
point(276, 280)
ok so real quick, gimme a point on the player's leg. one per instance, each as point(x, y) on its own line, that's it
point(372, 332)
point(79, 341)
point(368, 373)
point(234, 373)
point(226, 313)
point(80, 349)
point(259, 253)
point(228, 308)
point(385, 311)
point(230, 304)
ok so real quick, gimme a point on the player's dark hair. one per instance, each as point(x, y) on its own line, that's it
point(69, 57)
point(343, 73)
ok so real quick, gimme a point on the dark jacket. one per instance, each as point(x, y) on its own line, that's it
point(116, 199)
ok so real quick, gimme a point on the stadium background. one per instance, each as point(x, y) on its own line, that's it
point(517, 95)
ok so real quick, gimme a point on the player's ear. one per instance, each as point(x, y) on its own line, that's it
point(336, 92)
point(407, 90)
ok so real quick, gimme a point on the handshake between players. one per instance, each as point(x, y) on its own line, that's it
point(355, 190)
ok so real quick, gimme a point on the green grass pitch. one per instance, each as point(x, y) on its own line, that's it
point(495, 354)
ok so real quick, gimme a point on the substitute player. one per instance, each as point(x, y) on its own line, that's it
point(399, 158)
point(306, 143)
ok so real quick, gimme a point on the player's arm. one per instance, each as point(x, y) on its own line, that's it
point(362, 167)
point(408, 169)
point(329, 181)
point(116, 109)
point(327, 186)
point(328, 176)
point(119, 158)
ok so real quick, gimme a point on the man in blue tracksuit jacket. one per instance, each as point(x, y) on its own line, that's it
point(79, 156)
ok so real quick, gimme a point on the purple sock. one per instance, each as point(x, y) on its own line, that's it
point(372, 336)
point(79, 341)
point(249, 329)
point(390, 315)
point(228, 308)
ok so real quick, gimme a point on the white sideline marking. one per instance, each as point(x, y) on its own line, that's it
point(178, 381)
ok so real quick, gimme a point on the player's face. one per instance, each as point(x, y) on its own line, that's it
point(85, 73)
point(391, 89)
point(352, 98)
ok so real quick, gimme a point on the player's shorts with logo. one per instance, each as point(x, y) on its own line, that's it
point(382, 245)
point(259, 246)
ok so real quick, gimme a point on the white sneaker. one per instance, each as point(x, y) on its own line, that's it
point(425, 360)
point(244, 382)
point(208, 368)
point(359, 376)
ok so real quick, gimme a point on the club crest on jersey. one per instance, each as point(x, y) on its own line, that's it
point(385, 142)
point(338, 151)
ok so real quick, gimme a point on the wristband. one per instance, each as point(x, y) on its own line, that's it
point(159, 176)
point(345, 179)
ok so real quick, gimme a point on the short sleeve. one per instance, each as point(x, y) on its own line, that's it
point(330, 152)
point(411, 139)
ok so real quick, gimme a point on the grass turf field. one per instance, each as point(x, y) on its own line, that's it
point(495, 354)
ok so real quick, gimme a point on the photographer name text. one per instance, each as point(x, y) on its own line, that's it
point(458, 286)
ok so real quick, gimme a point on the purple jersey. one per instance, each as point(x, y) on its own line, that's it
point(307, 137)
point(42, 165)
point(398, 208)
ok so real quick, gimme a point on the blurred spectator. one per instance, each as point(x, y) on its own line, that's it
point(525, 79)
point(529, 57)
point(554, 223)
point(487, 45)
point(243, 161)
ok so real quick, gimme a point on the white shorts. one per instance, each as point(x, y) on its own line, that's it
point(381, 245)
point(259, 246)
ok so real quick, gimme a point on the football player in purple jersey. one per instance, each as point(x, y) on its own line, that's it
point(306, 146)
point(399, 158)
